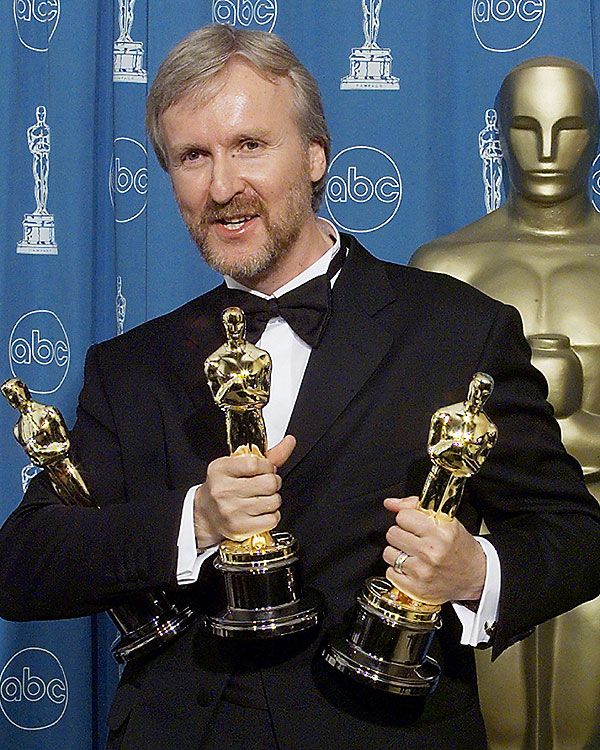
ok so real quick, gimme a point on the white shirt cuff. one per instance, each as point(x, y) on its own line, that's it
point(478, 626)
point(189, 560)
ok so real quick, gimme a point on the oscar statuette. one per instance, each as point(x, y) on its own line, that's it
point(148, 620)
point(261, 574)
point(388, 640)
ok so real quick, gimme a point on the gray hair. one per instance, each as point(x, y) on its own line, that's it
point(190, 69)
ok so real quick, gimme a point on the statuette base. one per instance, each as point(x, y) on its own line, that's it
point(263, 591)
point(38, 235)
point(128, 59)
point(370, 68)
point(387, 642)
point(151, 636)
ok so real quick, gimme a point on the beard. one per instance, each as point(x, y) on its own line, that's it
point(282, 232)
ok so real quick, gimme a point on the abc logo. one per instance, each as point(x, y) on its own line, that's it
point(595, 183)
point(507, 25)
point(364, 189)
point(128, 179)
point(33, 689)
point(39, 351)
point(36, 22)
point(252, 14)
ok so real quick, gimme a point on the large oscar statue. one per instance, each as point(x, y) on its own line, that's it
point(539, 252)
point(147, 621)
point(261, 574)
point(391, 632)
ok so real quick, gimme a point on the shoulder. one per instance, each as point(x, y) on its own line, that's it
point(144, 340)
point(459, 252)
point(432, 289)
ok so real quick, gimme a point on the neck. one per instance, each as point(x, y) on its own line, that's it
point(556, 218)
point(311, 244)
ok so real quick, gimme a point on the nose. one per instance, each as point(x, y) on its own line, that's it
point(226, 180)
point(546, 144)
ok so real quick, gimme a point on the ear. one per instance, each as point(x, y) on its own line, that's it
point(317, 161)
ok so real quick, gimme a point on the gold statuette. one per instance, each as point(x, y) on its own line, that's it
point(43, 435)
point(261, 574)
point(391, 633)
point(239, 377)
point(148, 621)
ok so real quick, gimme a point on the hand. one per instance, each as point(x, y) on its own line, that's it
point(240, 496)
point(445, 562)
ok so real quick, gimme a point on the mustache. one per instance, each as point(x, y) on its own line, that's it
point(238, 206)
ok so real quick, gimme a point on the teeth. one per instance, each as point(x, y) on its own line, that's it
point(236, 223)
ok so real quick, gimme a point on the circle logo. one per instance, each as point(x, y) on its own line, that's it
point(39, 351)
point(507, 25)
point(34, 692)
point(128, 179)
point(36, 22)
point(595, 183)
point(250, 14)
point(364, 189)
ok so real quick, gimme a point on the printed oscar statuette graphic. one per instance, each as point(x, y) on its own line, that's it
point(387, 643)
point(128, 56)
point(370, 65)
point(490, 152)
point(261, 574)
point(38, 226)
point(148, 621)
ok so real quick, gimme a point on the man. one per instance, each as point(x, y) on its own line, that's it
point(238, 124)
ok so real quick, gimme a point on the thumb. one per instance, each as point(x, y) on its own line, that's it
point(396, 504)
point(280, 453)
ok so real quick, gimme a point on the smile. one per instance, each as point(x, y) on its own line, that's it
point(235, 223)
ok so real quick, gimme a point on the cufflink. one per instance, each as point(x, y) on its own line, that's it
point(489, 629)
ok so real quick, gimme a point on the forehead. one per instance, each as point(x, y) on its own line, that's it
point(237, 97)
point(550, 93)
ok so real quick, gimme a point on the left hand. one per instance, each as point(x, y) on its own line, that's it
point(445, 562)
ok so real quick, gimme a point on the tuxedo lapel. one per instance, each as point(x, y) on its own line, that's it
point(352, 348)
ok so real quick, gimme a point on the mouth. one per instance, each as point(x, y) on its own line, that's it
point(234, 227)
point(233, 223)
point(546, 173)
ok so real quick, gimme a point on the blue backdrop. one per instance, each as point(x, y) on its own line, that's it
point(91, 238)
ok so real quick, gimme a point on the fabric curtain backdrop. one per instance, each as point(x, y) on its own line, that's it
point(93, 243)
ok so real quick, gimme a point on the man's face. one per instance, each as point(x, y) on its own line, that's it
point(241, 172)
point(549, 132)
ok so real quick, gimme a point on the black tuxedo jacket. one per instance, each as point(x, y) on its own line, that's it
point(400, 344)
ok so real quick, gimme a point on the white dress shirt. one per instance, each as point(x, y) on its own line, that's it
point(289, 355)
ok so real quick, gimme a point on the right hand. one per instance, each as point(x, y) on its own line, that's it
point(240, 496)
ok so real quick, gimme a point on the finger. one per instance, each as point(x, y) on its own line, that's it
point(261, 505)
point(400, 503)
point(416, 522)
point(280, 453)
point(403, 541)
point(249, 525)
point(390, 555)
point(242, 465)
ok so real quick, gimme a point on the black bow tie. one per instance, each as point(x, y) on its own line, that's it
point(306, 309)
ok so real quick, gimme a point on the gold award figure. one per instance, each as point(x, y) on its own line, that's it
point(42, 433)
point(539, 252)
point(147, 621)
point(261, 574)
point(239, 377)
point(392, 630)
point(460, 439)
